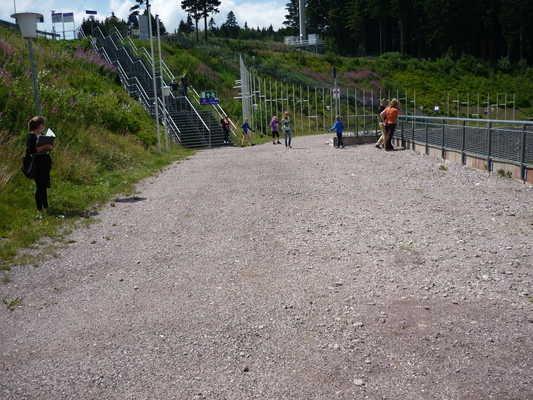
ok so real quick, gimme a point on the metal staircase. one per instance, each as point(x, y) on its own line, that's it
point(183, 121)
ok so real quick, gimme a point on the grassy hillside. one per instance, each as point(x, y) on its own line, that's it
point(105, 140)
point(215, 65)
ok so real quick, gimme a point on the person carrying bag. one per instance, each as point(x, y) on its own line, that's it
point(37, 161)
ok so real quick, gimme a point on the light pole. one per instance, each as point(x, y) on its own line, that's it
point(163, 89)
point(27, 23)
point(156, 105)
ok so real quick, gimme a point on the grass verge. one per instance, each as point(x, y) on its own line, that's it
point(19, 225)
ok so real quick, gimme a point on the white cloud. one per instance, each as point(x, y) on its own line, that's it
point(45, 7)
point(254, 12)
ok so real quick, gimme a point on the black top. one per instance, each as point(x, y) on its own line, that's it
point(31, 144)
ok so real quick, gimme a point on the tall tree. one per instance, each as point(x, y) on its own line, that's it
point(209, 7)
point(230, 27)
point(190, 24)
point(195, 10)
point(212, 25)
point(292, 20)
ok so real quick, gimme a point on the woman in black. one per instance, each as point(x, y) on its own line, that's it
point(224, 124)
point(42, 163)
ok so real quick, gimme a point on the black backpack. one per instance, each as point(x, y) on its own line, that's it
point(27, 166)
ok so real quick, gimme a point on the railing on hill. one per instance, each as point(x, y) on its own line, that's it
point(134, 87)
point(509, 142)
point(169, 77)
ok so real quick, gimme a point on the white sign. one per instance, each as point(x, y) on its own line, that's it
point(68, 17)
point(336, 93)
point(57, 17)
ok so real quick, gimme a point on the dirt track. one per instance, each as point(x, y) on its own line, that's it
point(263, 273)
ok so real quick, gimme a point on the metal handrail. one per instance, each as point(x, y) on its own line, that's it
point(128, 55)
point(150, 60)
point(198, 115)
point(218, 109)
point(145, 100)
point(494, 121)
point(168, 117)
point(166, 70)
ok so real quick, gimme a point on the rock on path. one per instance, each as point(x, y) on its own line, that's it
point(263, 273)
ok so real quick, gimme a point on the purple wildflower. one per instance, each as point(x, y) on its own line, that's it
point(94, 58)
point(6, 48)
point(6, 76)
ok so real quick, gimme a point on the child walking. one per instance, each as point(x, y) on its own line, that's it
point(338, 127)
point(274, 126)
point(246, 135)
point(287, 131)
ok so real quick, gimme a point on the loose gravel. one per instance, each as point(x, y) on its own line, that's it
point(262, 273)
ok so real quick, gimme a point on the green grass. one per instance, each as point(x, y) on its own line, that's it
point(214, 65)
point(12, 304)
point(105, 140)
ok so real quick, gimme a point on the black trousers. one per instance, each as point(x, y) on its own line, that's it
point(42, 165)
point(41, 196)
point(339, 140)
point(390, 133)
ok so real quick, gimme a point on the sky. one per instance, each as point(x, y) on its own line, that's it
point(255, 12)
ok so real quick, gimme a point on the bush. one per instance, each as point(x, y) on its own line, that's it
point(504, 64)
point(470, 64)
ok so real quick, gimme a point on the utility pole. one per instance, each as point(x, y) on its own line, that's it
point(335, 90)
point(156, 105)
point(162, 82)
point(35, 79)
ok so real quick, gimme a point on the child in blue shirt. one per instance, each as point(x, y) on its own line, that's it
point(338, 127)
point(246, 135)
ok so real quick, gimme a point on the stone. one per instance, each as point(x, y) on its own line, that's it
point(358, 382)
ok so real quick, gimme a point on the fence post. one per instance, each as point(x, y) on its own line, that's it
point(413, 134)
point(401, 133)
point(463, 144)
point(489, 152)
point(442, 140)
point(523, 172)
point(427, 138)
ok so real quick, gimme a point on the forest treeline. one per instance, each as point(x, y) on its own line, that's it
point(492, 30)
point(488, 29)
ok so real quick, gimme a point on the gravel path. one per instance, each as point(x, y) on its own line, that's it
point(262, 273)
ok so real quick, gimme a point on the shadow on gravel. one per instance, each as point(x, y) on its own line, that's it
point(132, 199)
point(61, 214)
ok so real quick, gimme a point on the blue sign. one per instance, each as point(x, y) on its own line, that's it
point(208, 98)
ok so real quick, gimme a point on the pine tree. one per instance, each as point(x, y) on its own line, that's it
point(292, 18)
point(230, 28)
point(209, 7)
point(190, 24)
point(212, 25)
point(195, 10)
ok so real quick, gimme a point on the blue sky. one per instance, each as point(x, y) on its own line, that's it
point(255, 12)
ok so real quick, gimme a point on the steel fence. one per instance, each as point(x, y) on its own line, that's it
point(508, 142)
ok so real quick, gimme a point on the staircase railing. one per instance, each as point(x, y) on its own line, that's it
point(219, 111)
point(138, 89)
point(142, 52)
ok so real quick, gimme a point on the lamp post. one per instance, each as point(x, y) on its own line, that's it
point(156, 97)
point(27, 23)
point(163, 88)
